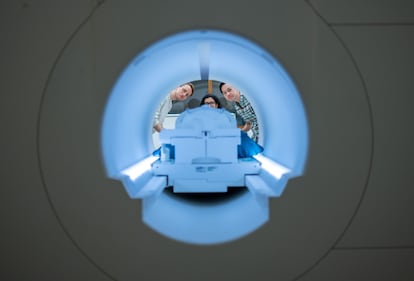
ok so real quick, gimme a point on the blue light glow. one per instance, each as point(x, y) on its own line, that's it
point(271, 166)
point(201, 55)
point(139, 168)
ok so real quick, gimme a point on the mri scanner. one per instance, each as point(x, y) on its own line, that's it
point(205, 140)
point(66, 211)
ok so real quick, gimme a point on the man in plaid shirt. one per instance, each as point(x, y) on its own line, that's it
point(243, 108)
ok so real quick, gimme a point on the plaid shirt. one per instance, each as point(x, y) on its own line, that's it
point(245, 110)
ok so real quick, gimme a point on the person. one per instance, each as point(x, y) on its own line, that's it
point(180, 93)
point(243, 108)
point(247, 147)
point(211, 101)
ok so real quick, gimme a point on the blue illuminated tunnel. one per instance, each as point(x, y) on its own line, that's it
point(203, 55)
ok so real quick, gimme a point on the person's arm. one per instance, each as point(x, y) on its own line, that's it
point(248, 114)
point(160, 114)
point(247, 126)
point(156, 122)
point(158, 127)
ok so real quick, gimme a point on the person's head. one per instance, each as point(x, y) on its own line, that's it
point(183, 91)
point(229, 92)
point(211, 101)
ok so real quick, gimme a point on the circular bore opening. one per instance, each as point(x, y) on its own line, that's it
point(193, 56)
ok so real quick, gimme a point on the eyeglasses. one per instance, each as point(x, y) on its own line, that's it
point(210, 102)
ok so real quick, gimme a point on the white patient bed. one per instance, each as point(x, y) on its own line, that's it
point(205, 159)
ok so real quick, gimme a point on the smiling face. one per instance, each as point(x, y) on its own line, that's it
point(183, 92)
point(230, 93)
